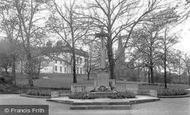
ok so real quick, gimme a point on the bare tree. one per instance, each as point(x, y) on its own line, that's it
point(177, 63)
point(9, 26)
point(166, 46)
point(92, 63)
point(184, 9)
point(147, 40)
point(68, 25)
point(186, 60)
point(29, 32)
point(5, 56)
point(147, 45)
point(117, 16)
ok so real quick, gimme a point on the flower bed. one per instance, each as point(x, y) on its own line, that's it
point(39, 92)
point(172, 92)
point(94, 95)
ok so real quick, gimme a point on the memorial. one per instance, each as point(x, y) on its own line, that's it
point(103, 78)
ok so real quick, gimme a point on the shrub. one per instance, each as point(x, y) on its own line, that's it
point(103, 89)
point(38, 92)
point(79, 95)
point(172, 92)
point(127, 94)
point(93, 95)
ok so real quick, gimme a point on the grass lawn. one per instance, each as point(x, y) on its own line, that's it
point(53, 80)
point(64, 81)
point(170, 86)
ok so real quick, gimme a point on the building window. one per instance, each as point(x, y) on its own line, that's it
point(60, 62)
point(80, 60)
point(60, 69)
point(80, 70)
point(86, 61)
point(77, 61)
point(55, 68)
point(65, 70)
point(55, 61)
point(77, 70)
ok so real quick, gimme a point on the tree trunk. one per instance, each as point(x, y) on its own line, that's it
point(30, 81)
point(73, 49)
point(6, 70)
point(189, 80)
point(74, 67)
point(21, 67)
point(151, 65)
point(165, 77)
point(14, 70)
point(88, 75)
point(165, 73)
point(29, 71)
point(39, 68)
point(189, 77)
point(152, 74)
point(149, 81)
point(88, 71)
point(74, 58)
point(148, 74)
point(110, 59)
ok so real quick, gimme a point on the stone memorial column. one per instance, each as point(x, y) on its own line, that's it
point(102, 76)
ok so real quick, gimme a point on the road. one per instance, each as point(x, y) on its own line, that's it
point(167, 106)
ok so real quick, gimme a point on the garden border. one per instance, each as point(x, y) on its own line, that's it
point(33, 96)
point(175, 96)
point(131, 101)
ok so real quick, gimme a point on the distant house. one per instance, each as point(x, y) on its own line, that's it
point(58, 62)
point(56, 59)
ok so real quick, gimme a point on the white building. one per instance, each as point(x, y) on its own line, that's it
point(62, 63)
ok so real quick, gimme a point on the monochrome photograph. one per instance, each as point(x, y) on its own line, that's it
point(94, 57)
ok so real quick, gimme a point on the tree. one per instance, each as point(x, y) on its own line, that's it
point(166, 43)
point(29, 32)
point(120, 65)
point(167, 17)
point(149, 41)
point(9, 26)
point(118, 16)
point(92, 63)
point(177, 64)
point(184, 10)
point(5, 57)
point(88, 65)
point(186, 60)
point(147, 45)
point(69, 26)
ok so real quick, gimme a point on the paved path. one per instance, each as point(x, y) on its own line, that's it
point(139, 98)
point(174, 106)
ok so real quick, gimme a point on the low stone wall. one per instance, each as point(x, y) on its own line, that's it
point(152, 93)
point(130, 86)
point(55, 94)
point(119, 85)
point(81, 87)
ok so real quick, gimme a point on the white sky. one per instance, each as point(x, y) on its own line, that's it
point(183, 30)
point(184, 42)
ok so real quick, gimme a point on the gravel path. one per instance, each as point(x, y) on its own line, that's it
point(166, 106)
